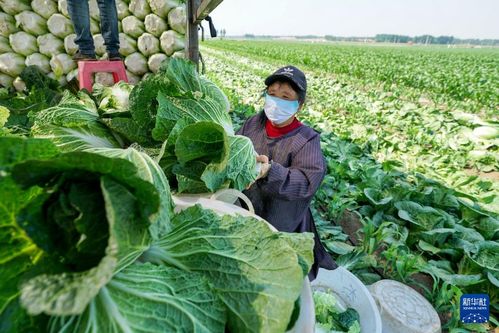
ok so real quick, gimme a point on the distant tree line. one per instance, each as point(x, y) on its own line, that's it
point(429, 39)
point(251, 36)
point(390, 38)
point(348, 39)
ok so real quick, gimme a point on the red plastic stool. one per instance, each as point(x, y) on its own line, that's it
point(87, 68)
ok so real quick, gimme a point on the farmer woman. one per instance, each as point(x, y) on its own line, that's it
point(293, 165)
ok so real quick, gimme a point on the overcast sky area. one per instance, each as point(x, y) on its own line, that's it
point(458, 18)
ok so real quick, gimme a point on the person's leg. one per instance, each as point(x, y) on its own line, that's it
point(78, 10)
point(109, 26)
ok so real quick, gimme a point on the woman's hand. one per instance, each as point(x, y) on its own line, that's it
point(262, 159)
point(264, 170)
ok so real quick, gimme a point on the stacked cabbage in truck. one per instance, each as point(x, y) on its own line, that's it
point(40, 33)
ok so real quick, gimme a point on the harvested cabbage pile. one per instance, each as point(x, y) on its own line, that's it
point(149, 30)
point(332, 317)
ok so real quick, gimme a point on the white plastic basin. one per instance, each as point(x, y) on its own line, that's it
point(403, 309)
point(351, 293)
point(306, 318)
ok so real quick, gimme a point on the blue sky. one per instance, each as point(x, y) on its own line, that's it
point(459, 18)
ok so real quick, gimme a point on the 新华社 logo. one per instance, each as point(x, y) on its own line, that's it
point(474, 308)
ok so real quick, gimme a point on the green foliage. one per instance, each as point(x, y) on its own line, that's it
point(42, 92)
point(149, 298)
point(239, 256)
point(33, 77)
point(73, 125)
point(226, 275)
point(143, 106)
point(202, 146)
point(4, 115)
point(412, 67)
point(200, 152)
point(18, 252)
point(80, 220)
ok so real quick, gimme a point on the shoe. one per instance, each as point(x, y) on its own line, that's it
point(114, 56)
point(78, 56)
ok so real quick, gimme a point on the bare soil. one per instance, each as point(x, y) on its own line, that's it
point(421, 281)
point(493, 176)
point(350, 223)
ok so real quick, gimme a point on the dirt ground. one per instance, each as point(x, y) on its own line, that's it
point(493, 176)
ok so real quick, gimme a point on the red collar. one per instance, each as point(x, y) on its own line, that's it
point(275, 132)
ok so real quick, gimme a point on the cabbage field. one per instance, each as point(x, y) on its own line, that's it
point(411, 138)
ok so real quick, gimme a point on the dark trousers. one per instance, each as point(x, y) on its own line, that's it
point(79, 12)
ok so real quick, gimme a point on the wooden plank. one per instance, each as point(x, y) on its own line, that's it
point(192, 47)
point(204, 9)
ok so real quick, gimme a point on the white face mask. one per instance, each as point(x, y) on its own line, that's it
point(279, 110)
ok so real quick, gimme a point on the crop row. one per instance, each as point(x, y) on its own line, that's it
point(447, 74)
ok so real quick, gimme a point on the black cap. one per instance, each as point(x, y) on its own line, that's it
point(290, 74)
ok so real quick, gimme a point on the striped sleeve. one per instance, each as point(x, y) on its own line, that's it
point(301, 179)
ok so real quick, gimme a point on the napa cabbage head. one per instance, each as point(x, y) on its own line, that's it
point(4, 115)
point(185, 117)
point(90, 216)
point(331, 316)
point(113, 99)
point(486, 132)
point(74, 125)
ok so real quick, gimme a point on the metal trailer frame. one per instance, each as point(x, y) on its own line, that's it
point(197, 10)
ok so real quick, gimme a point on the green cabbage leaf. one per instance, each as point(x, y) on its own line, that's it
point(90, 216)
point(244, 261)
